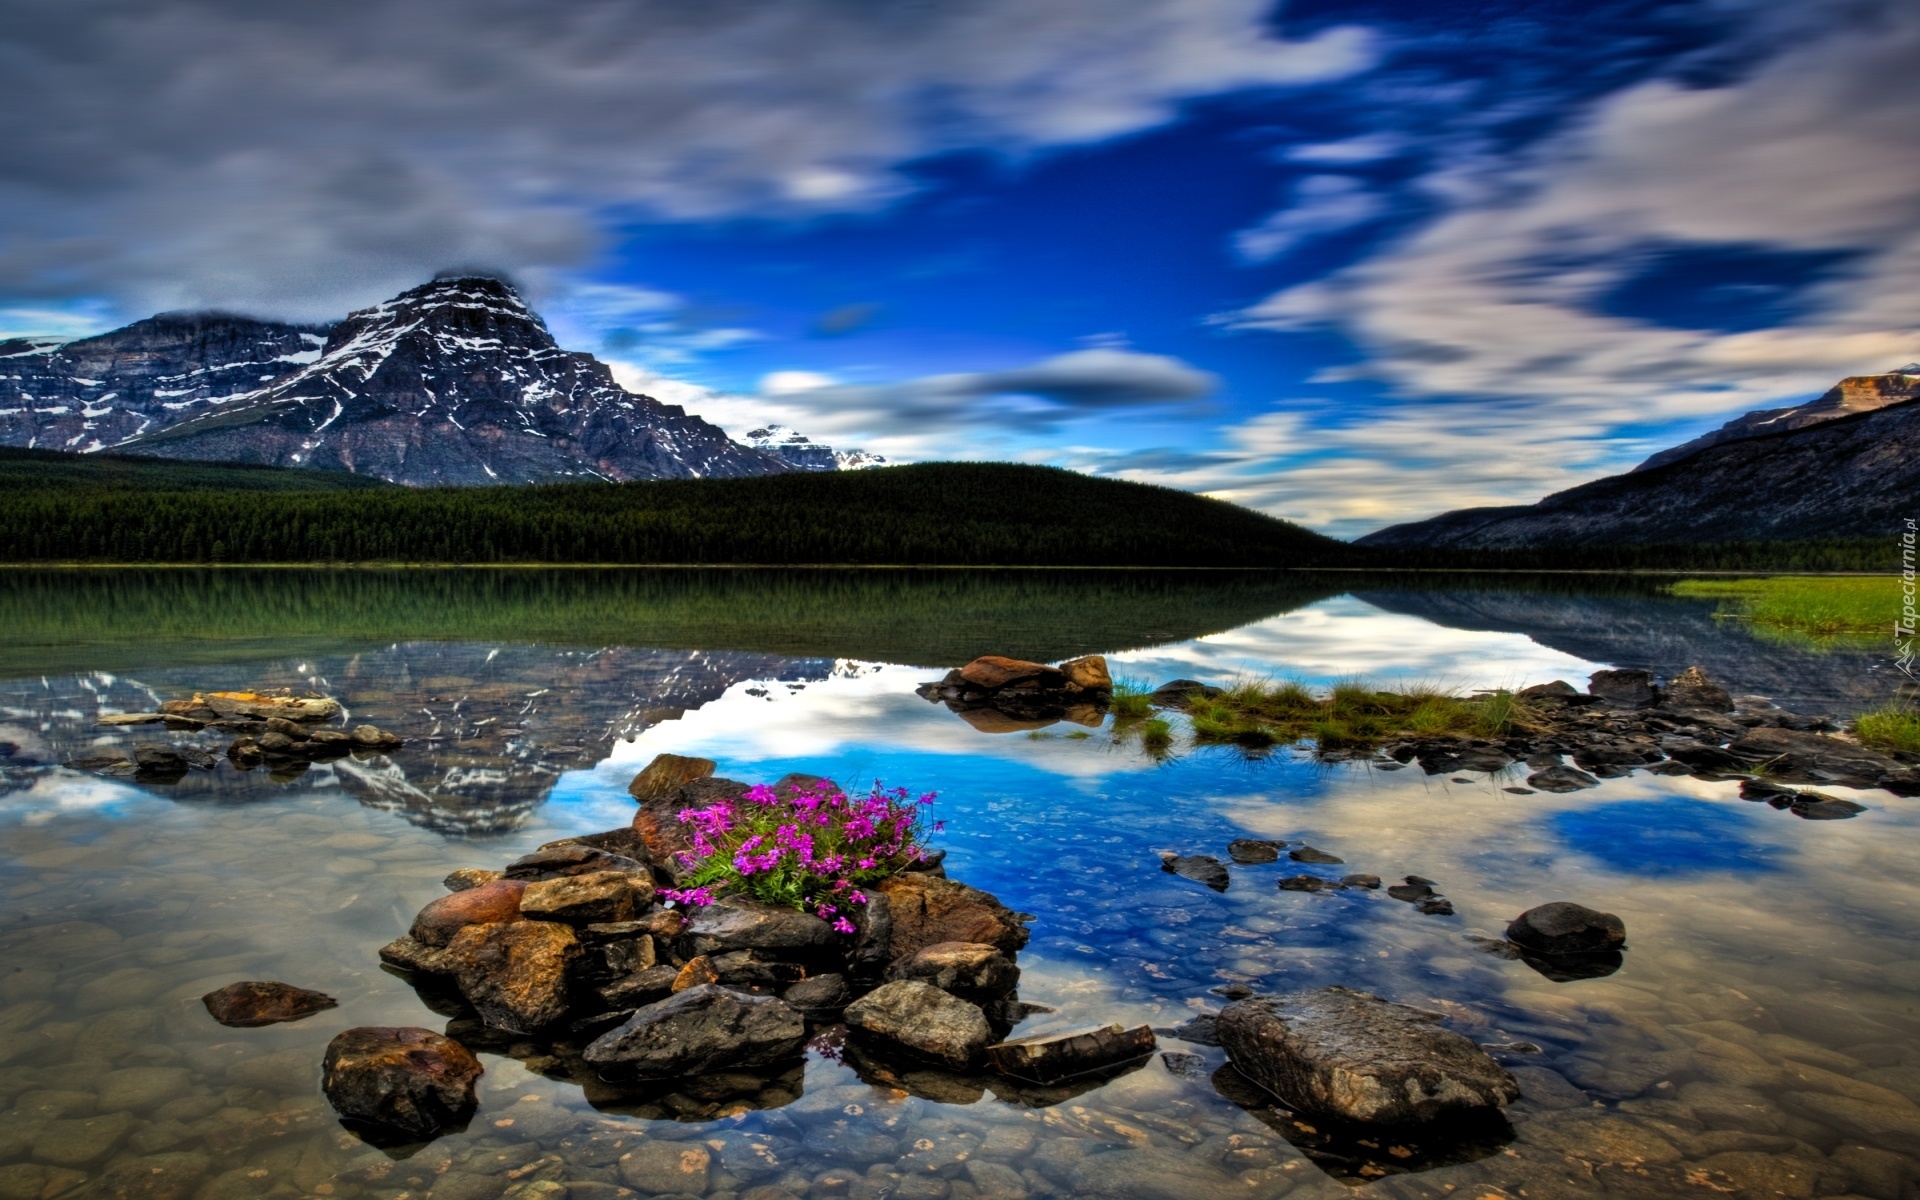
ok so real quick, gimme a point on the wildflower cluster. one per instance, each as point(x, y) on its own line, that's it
point(810, 847)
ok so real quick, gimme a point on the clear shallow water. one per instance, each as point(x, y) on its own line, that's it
point(1763, 1037)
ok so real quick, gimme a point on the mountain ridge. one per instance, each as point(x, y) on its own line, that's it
point(1847, 476)
point(454, 382)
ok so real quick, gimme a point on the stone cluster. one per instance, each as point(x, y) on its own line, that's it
point(275, 730)
point(572, 946)
point(995, 694)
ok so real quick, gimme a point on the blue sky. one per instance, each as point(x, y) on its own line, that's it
point(1347, 262)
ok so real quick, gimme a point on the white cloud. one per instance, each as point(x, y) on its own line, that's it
point(1321, 204)
point(1367, 148)
point(299, 161)
point(1497, 299)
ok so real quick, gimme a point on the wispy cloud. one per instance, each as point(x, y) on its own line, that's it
point(1322, 204)
point(1505, 298)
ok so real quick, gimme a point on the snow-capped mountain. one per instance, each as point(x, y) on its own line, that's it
point(453, 382)
point(802, 453)
point(100, 391)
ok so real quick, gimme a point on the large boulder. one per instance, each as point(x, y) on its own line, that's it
point(515, 974)
point(1563, 927)
point(598, 897)
point(487, 904)
point(666, 774)
point(252, 1003)
point(699, 1030)
point(413, 1080)
point(971, 970)
point(992, 672)
point(1622, 689)
point(738, 923)
point(257, 706)
point(1351, 1054)
point(1048, 1058)
point(1692, 689)
point(923, 1020)
point(925, 910)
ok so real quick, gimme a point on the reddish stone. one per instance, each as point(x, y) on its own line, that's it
point(413, 1080)
point(252, 1003)
point(993, 672)
point(488, 904)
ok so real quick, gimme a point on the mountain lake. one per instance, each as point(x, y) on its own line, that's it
point(1762, 1037)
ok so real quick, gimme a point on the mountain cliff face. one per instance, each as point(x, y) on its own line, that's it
point(1854, 394)
point(454, 382)
point(100, 391)
point(1846, 476)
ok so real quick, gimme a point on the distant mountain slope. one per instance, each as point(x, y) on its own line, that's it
point(454, 382)
point(802, 453)
point(1854, 394)
point(98, 392)
point(31, 470)
point(979, 514)
point(1850, 476)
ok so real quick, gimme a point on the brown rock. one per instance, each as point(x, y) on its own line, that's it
point(252, 1003)
point(971, 970)
point(1089, 673)
point(927, 910)
point(699, 970)
point(595, 898)
point(924, 1020)
point(409, 954)
point(372, 737)
point(486, 904)
point(1051, 1057)
point(514, 973)
point(666, 774)
point(292, 729)
point(254, 704)
point(413, 1080)
point(992, 672)
point(1691, 689)
point(567, 859)
point(658, 820)
point(467, 878)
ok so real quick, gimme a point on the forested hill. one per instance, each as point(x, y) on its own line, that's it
point(37, 470)
point(933, 513)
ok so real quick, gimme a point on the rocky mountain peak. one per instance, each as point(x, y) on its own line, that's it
point(457, 381)
point(802, 453)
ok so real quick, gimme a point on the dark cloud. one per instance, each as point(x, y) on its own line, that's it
point(302, 158)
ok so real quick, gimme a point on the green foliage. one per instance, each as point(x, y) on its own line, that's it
point(1130, 700)
point(934, 513)
point(1817, 609)
point(1890, 728)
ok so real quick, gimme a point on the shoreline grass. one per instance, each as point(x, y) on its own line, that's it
point(1889, 728)
point(1258, 715)
point(1817, 609)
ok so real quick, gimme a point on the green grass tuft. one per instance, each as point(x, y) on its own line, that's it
point(1890, 728)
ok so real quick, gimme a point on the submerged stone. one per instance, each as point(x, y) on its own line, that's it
point(1200, 868)
point(1355, 1055)
point(1053, 1057)
point(252, 1003)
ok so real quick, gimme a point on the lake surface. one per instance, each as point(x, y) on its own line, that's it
point(1762, 1039)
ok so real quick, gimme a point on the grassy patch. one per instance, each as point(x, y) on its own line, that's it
point(1255, 714)
point(1890, 729)
point(1802, 607)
